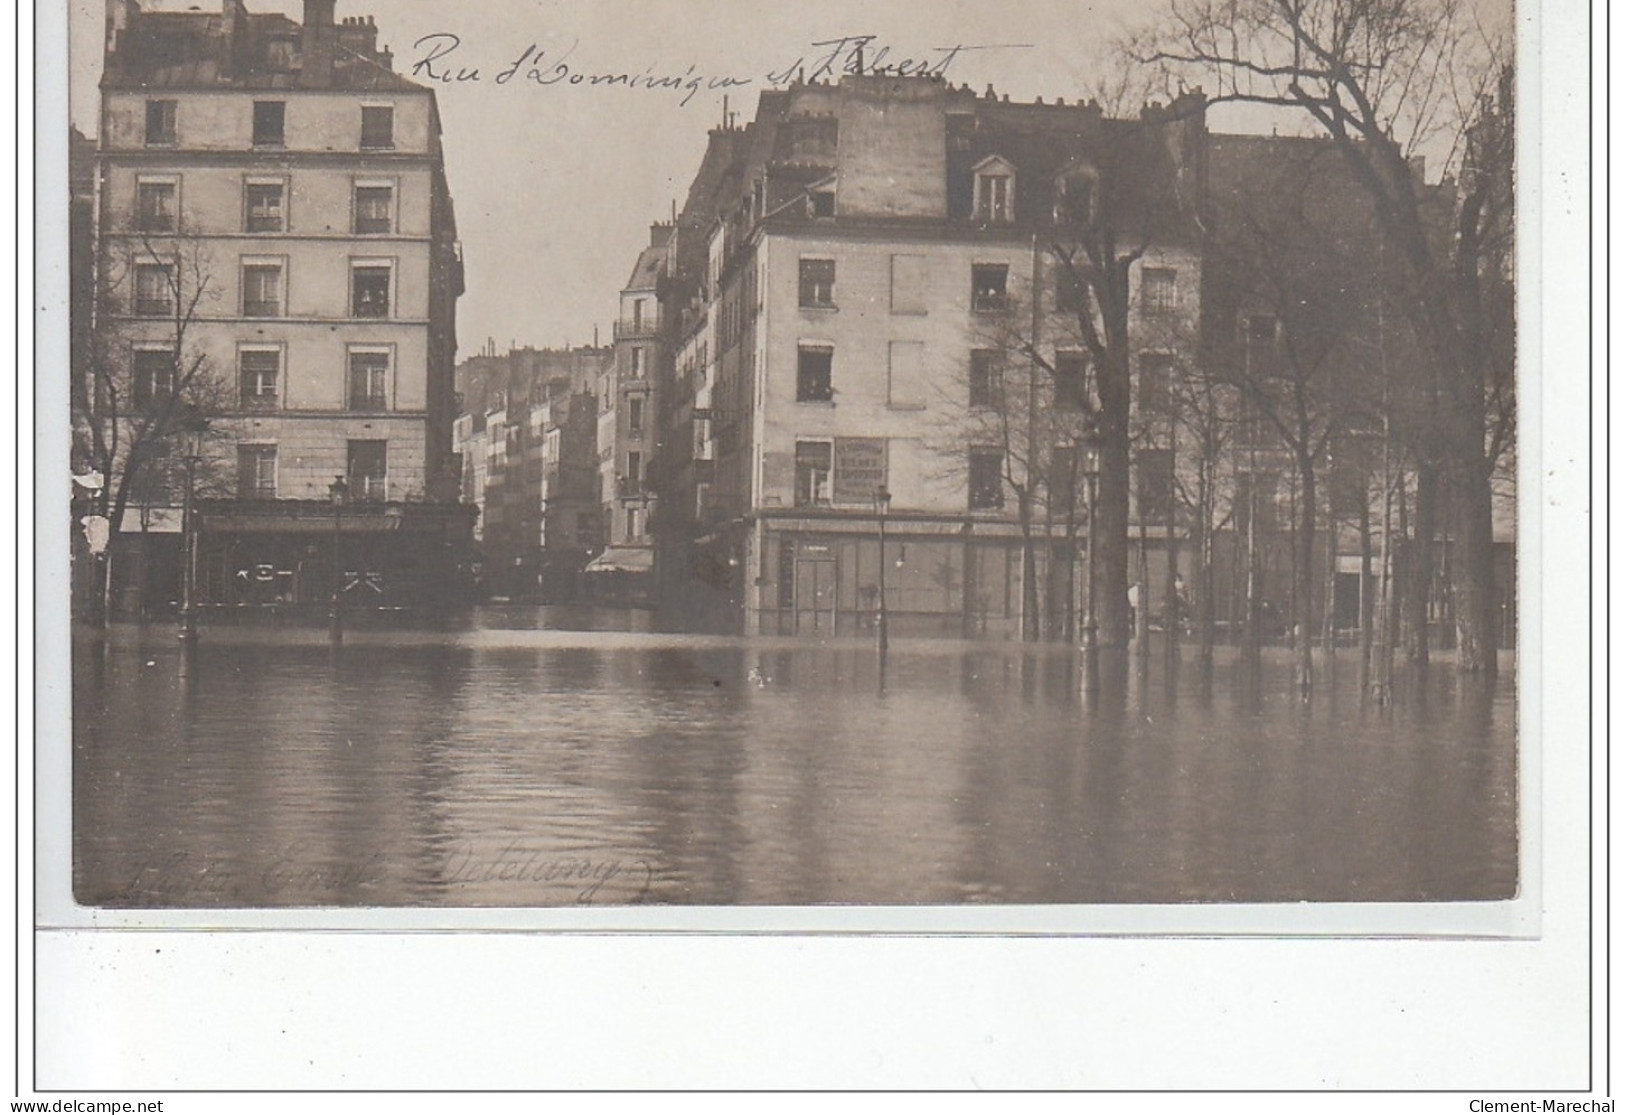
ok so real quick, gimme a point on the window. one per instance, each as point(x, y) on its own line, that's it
point(1260, 335)
point(160, 123)
point(1071, 381)
point(818, 282)
point(995, 197)
point(813, 374)
point(634, 417)
point(256, 472)
point(986, 479)
point(1156, 383)
point(369, 289)
point(821, 202)
point(907, 284)
point(636, 358)
point(263, 202)
point(1253, 427)
point(1064, 461)
point(155, 209)
point(368, 470)
point(632, 522)
point(1068, 293)
point(634, 472)
point(374, 208)
point(262, 289)
point(987, 282)
point(377, 127)
point(153, 374)
point(268, 120)
point(905, 381)
point(1154, 492)
point(986, 378)
point(1075, 196)
point(369, 380)
point(154, 289)
point(812, 473)
point(1258, 331)
point(1159, 290)
point(258, 373)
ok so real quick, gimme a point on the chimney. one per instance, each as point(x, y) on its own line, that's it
point(118, 21)
point(358, 35)
point(233, 37)
point(317, 43)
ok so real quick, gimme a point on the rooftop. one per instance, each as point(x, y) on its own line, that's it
point(238, 49)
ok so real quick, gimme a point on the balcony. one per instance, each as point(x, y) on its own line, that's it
point(629, 329)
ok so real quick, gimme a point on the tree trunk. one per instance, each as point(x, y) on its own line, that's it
point(1170, 600)
point(1366, 610)
point(1419, 561)
point(1473, 565)
point(1111, 567)
point(1303, 578)
point(1142, 597)
point(1029, 570)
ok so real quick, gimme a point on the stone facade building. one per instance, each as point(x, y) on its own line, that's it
point(854, 276)
point(277, 251)
point(528, 440)
point(629, 431)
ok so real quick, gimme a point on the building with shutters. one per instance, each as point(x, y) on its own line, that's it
point(277, 246)
point(850, 281)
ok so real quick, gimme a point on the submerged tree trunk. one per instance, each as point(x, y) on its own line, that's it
point(1112, 536)
point(1303, 578)
point(1029, 570)
point(1366, 609)
point(1473, 559)
point(1419, 561)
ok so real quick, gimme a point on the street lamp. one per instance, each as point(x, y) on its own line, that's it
point(194, 425)
point(336, 491)
point(882, 505)
point(1089, 463)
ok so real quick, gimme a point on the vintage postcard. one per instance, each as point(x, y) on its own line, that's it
point(1041, 469)
point(575, 461)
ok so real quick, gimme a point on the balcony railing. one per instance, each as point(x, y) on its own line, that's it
point(629, 328)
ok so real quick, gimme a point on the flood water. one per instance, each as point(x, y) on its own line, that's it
point(514, 765)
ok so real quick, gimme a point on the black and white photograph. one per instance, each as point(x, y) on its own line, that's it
point(1037, 462)
point(923, 475)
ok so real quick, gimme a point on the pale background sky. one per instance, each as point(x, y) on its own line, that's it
point(555, 187)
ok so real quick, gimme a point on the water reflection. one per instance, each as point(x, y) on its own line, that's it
point(514, 768)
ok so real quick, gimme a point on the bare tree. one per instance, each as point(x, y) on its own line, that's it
point(1021, 405)
point(1132, 190)
point(1388, 81)
point(1288, 243)
point(149, 387)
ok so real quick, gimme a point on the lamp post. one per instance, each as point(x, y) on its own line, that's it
point(195, 426)
point(882, 505)
point(336, 491)
point(1089, 456)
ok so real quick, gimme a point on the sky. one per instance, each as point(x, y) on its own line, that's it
point(556, 185)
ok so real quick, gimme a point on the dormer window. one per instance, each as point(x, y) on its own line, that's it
point(1075, 189)
point(821, 199)
point(995, 196)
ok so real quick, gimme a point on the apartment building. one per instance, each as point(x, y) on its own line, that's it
point(628, 431)
point(861, 275)
point(277, 251)
point(528, 440)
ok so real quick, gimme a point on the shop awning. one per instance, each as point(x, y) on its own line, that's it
point(623, 559)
